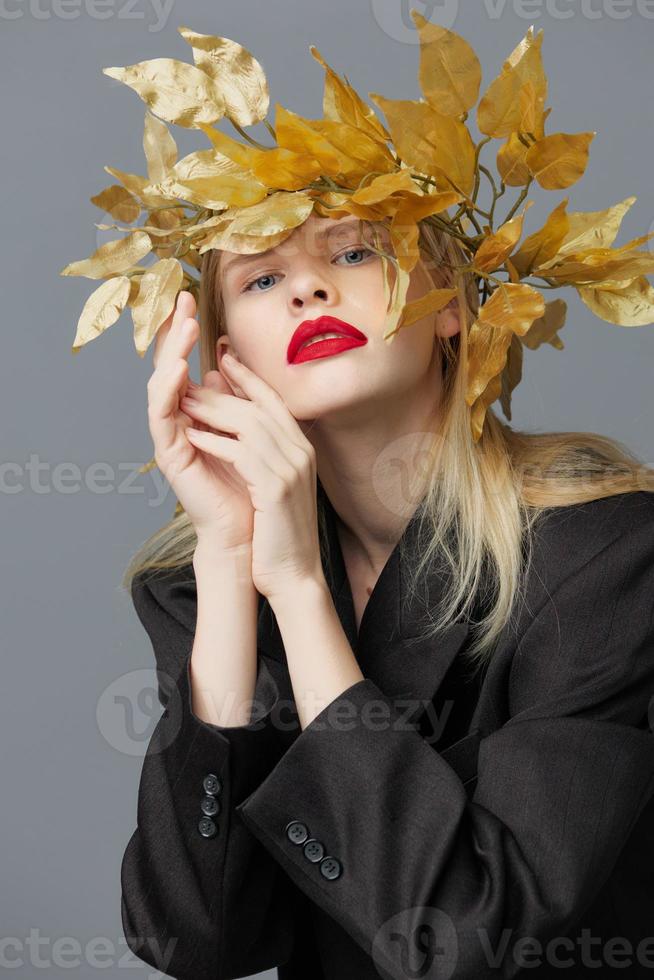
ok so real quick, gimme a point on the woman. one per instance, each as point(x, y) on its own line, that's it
point(406, 677)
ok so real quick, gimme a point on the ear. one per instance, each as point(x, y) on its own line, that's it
point(222, 346)
point(447, 320)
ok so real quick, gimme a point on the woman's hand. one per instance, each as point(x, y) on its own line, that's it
point(215, 499)
point(277, 462)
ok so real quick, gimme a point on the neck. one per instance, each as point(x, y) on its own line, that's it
point(375, 473)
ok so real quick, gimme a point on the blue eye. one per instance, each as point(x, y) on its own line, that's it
point(355, 250)
point(267, 275)
point(271, 275)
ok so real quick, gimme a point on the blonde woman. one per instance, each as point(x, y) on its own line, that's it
point(406, 676)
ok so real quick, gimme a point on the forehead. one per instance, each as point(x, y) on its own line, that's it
point(315, 230)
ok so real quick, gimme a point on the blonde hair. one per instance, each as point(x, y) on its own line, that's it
point(482, 499)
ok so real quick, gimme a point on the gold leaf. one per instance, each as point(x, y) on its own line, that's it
point(431, 302)
point(155, 300)
point(277, 214)
point(629, 304)
point(479, 407)
point(193, 258)
point(397, 195)
point(511, 164)
point(450, 72)
point(341, 103)
point(284, 169)
point(238, 75)
point(430, 142)
point(119, 203)
point(544, 329)
point(112, 257)
point(174, 90)
point(170, 220)
point(360, 155)
point(497, 246)
point(295, 133)
point(405, 239)
point(511, 375)
point(395, 290)
point(590, 229)
point(595, 265)
point(101, 310)
point(218, 192)
point(227, 241)
point(151, 465)
point(543, 245)
point(233, 149)
point(517, 96)
point(136, 185)
point(512, 308)
point(159, 147)
point(559, 160)
point(204, 163)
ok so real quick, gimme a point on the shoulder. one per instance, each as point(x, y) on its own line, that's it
point(587, 644)
point(169, 591)
point(608, 536)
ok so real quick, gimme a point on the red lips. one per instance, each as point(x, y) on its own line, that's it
point(324, 324)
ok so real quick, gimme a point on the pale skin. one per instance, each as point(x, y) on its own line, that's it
point(248, 480)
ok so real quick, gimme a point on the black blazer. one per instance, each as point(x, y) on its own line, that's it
point(481, 818)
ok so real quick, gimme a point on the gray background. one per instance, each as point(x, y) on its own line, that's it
point(70, 763)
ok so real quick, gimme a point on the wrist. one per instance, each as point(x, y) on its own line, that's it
point(297, 598)
point(210, 554)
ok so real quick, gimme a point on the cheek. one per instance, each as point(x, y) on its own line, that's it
point(415, 346)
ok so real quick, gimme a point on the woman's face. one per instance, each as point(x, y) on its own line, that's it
point(324, 268)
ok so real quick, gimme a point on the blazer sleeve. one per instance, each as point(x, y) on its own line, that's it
point(201, 898)
point(404, 855)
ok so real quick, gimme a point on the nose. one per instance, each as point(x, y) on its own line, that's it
point(303, 295)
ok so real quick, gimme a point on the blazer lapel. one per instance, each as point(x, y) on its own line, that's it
point(389, 647)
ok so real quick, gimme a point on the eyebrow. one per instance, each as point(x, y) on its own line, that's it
point(320, 235)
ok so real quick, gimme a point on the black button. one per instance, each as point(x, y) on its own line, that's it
point(297, 832)
point(330, 868)
point(313, 850)
point(210, 805)
point(207, 827)
point(212, 785)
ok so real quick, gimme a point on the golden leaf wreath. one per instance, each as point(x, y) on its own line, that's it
point(246, 197)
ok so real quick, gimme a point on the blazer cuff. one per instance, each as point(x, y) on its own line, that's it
point(248, 750)
point(326, 811)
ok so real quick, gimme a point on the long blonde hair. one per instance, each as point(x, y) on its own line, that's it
point(482, 499)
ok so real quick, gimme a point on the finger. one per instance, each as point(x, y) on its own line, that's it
point(253, 469)
point(179, 305)
point(214, 381)
point(166, 380)
point(170, 328)
point(253, 432)
point(163, 405)
point(260, 392)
